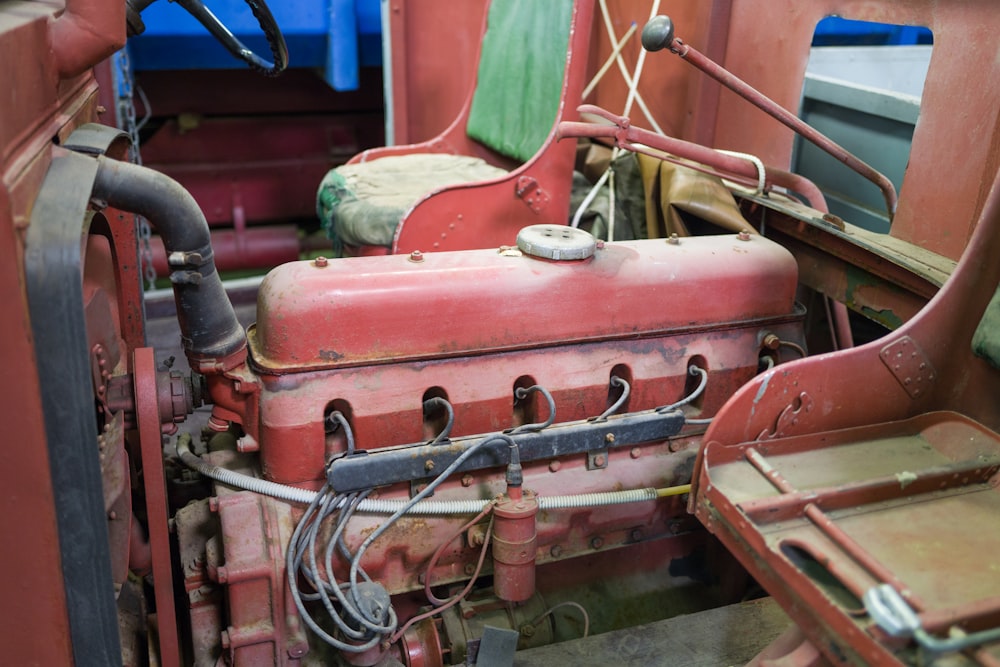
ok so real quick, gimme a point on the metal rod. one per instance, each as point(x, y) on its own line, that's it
point(626, 136)
point(834, 532)
point(658, 34)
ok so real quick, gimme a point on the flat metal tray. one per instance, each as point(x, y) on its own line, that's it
point(828, 516)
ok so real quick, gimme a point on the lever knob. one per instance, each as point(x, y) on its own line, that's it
point(658, 33)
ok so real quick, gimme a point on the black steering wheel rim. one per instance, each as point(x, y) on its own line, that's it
point(275, 40)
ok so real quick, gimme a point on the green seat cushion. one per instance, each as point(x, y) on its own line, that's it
point(362, 204)
point(520, 79)
point(986, 340)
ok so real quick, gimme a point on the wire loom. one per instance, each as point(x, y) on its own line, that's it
point(360, 608)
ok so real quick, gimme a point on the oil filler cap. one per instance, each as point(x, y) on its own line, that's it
point(558, 242)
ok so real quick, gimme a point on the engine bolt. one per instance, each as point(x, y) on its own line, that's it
point(321, 262)
point(771, 341)
point(469, 569)
point(466, 480)
point(527, 630)
point(428, 465)
point(476, 536)
point(416, 256)
point(743, 236)
point(673, 240)
point(556, 551)
point(609, 438)
point(600, 461)
point(554, 466)
point(635, 452)
point(597, 543)
point(636, 535)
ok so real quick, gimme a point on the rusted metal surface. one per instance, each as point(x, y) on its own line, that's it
point(39, 109)
point(886, 280)
point(515, 542)
point(936, 449)
point(432, 60)
point(148, 419)
point(246, 248)
point(303, 308)
point(490, 213)
point(956, 148)
point(867, 505)
point(262, 628)
point(332, 335)
point(271, 178)
point(574, 333)
point(767, 105)
point(433, 65)
point(629, 289)
point(640, 141)
point(85, 33)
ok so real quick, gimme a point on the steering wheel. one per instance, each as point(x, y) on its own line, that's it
point(197, 9)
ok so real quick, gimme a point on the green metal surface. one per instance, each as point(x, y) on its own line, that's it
point(521, 68)
point(986, 340)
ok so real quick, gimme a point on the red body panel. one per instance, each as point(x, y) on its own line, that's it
point(372, 310)
point(373, 335)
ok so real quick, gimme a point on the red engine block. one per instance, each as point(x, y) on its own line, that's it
point(374, 338)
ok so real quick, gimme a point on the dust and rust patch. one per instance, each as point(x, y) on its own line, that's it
point(872, 298)
point(330, 355)
point(885, 317)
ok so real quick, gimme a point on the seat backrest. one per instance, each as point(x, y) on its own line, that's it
point(519, 83)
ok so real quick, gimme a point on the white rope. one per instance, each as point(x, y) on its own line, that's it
point(633, 97)
point(615, 54)
point(624, 70)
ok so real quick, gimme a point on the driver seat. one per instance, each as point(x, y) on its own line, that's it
point(497, 167)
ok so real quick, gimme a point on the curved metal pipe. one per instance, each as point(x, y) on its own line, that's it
point(211, 334)
point(635, 138)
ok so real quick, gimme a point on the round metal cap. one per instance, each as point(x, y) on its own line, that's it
point(558, 242)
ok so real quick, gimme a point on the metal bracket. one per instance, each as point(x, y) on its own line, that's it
point(367, 469)
point(597, 459)
point(528, 189)
point(96, 139)
point(909, 365)
point(418, 485)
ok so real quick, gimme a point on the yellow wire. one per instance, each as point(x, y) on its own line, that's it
point(673, 491)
